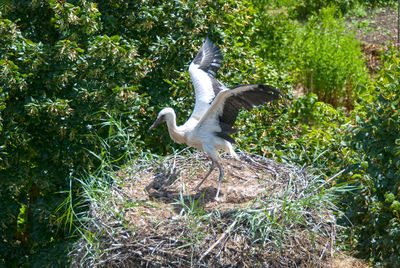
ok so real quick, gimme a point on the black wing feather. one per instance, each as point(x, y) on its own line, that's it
point(255, 95)
point(209, 58)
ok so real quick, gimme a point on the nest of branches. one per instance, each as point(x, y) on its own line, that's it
point(269, 214)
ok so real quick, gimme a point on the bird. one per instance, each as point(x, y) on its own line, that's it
point(216, 108)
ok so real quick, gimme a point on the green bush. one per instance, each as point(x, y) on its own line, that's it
point(305, 132)
point(306, 8)
point(328, 59)
point(66, 68)
point(69, 70)
point(52, 95)
point(274, 32)
point(323, 56)
point(375, 209)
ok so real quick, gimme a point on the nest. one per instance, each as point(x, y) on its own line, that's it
point(269, 214)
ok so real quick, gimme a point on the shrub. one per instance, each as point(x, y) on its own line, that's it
point(375, 208)
point(306, 132)
point(51, 99)
point(328, 59)
point(274, 33)
point(305, 8)
point(69, 69)
point(66, 67)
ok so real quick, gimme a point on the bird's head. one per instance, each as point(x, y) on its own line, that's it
point(164, 115)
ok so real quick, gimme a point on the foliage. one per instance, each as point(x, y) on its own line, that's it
point(375, 209)
point(80, 83)
point(328, 59)
point(274, 33)
point(66, 68)
point(307, 7)
point(323, 55)
point(306, 132)
point(53, 89)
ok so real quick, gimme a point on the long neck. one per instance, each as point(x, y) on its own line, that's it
point(175, 132)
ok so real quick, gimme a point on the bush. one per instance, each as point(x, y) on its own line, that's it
point(306, 132)
point(328, 59)
point(375, 208)
point(274, 33)
point(323, 56)
point(66, 68)
point(306, 8)
point(51, 102)
point(70, 69)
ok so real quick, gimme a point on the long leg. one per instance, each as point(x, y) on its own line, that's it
point(221, 175)
point(208, 174)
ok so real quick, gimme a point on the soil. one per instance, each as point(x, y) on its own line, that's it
point(378, 27)
point(377, 31)
point(167, 184)
point(244, 184)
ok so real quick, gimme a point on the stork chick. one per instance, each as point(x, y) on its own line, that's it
point(216, 108)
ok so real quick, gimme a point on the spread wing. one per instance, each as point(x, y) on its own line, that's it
point(223, 112)
point(202, 71)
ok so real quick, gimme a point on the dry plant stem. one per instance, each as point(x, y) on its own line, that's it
point(219, 240)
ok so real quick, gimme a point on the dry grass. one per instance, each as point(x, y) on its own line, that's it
point(269, 215)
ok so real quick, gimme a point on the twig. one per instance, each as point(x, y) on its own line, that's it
point(219, 240)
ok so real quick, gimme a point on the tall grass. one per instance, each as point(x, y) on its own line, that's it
point(329, 59)
point(92, 188)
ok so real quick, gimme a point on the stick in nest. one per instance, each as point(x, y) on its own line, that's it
point(219, 240)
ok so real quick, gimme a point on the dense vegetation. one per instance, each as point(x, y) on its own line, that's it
point(73, 74)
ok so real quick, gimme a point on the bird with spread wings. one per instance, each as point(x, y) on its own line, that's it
point(215, 111)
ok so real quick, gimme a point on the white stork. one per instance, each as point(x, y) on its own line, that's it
point(215, 109)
